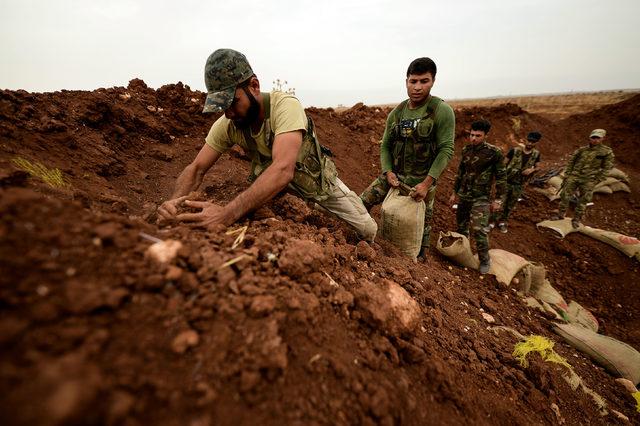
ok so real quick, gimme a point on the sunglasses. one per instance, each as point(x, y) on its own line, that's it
point(595, 137)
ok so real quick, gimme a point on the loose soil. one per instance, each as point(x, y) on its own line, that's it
point(94, 332)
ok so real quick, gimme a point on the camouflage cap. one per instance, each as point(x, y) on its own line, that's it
point(224, 70)
point(598, 133)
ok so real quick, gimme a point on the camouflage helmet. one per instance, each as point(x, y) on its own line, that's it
point(224, 70)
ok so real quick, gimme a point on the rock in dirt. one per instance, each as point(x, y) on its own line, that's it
point(184, 341)
point(388, 306)
point(365, 252)
point(262, 305)
point(301, 257)
point(164, 252)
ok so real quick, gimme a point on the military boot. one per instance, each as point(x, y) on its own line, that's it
point(557, 215)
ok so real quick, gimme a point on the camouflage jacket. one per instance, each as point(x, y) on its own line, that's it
point(516, 164)
point(590, 162)
point(479, 166)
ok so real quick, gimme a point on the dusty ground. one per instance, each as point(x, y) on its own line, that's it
point(554, 106)
point(91, 332)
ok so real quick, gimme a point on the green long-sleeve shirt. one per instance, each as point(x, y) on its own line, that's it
point(444, 128)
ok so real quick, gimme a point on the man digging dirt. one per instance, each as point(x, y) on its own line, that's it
point(480, 165)
point(276, 134)
point(417, 144)
point(587, 166)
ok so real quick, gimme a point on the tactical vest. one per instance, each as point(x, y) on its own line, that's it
point(414, 142)
point(515, 166)
point(315, 173)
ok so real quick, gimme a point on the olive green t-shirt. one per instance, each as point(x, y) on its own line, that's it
point(286, 115)
point(444, 126)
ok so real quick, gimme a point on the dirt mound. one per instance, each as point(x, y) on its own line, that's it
point(299, 323)
point(622, 123)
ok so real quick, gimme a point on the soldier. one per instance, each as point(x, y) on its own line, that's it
point(417, 144)
point(480, 164)
point(521, 163)
point(587, 166)
point(276, 134)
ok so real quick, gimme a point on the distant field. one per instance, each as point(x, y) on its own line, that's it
point(554, 106)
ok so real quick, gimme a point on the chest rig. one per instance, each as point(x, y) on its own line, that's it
point(414, 141)
point(315, 173)
point(516, 166)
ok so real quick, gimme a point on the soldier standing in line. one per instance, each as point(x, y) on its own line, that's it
point(481, 164)
point(417, 144)
point(521, 163)
point(587, 166)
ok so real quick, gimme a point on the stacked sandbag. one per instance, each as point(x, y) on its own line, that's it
point(616, 357)
point(403, 222)
point(457, 248)
point(615, 181)
point(624, 243)
point(628, 245)
point(580, 328)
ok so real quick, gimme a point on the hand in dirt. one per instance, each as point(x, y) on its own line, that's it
point(527, 172)
point(211, 214)
point(419, 192)
point(169, 208)
point(453, 199)
point(393, 179)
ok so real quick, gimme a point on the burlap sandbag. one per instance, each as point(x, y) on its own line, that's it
point(505, 265)
point(606, 182)
point(550, 295)
point(576, 314)
point(538, 276)
point(403, 222)
point(628, 245)
point(562, 226)
point(618, 174)
point(617, 357)
point(603, 190)
point(550, 192)
point(456, 247)
point(620, 186)
point(555, 181)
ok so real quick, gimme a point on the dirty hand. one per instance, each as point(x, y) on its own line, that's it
point(527, 172)
point(496, 206)
point(393, 179)
point(452, 199)
point(169, 208)
point(211, 214)
point(420, 191)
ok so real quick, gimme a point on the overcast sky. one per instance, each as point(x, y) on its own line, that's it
point(331, 52)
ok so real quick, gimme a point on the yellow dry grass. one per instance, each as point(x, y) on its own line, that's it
point(52, 177)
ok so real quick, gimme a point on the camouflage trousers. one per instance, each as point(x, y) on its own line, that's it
point(377, 191)
point(475, 213)
point(512, 194)
point(582, 188)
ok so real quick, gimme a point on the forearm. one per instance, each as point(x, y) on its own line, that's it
point(428, 181)
point(440, 162)
point(266, 186)
point(189, 180)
